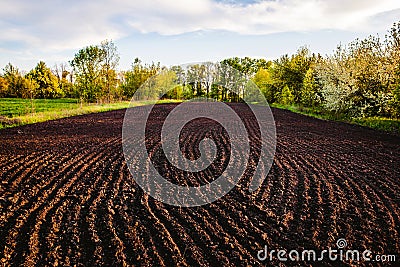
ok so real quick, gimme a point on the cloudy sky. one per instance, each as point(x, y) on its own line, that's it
point(183, 31)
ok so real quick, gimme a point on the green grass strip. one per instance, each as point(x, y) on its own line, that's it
point(16, 112)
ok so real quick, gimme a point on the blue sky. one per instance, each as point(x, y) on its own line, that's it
point(183, 31)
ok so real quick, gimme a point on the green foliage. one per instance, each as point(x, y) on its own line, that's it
point(3, 87)
point(360, 80)
point(175, 93)
point(95, 72)
point(248, 66)
point(310, 94)
point(291, 71)
point(295, 72)
point(286, 96)
point(88, 66)
point(165, 81)
point(135, 77)
point(42, 83)
point(109, 74)
point(14, 80)
point(394, 102)
point(263, 79)
point(154, 87)
point(67, 88)
point(195, 75)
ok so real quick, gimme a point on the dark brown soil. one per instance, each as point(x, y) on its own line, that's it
point(67, 198)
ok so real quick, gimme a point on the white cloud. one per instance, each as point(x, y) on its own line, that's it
point(262, 17)
point(71, 24)
point(55, 26)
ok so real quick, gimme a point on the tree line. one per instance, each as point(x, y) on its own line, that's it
point(361, 79)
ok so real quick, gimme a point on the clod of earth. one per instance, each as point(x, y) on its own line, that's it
point(67, 197)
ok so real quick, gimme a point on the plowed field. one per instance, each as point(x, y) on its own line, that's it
point(67, 197)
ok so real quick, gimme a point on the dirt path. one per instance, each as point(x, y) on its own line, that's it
point(67, 197)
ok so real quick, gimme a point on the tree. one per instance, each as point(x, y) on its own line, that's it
point(209, 75)
point(195, 78)
point(359, 80)
point(64, 77)
point(88, 66)
point(392, 48)
point(246, 69)
point(225, 80)
point(310, 94)
point(110, 63)
point(287, 97)
point(338, 83)
point(394, 103)
point(3, 87)
point(291, 71)
point(263, 79)
point(31, 87)
point(164, 81)
point(14, 80)
point(47, 83)
point(138, 74)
